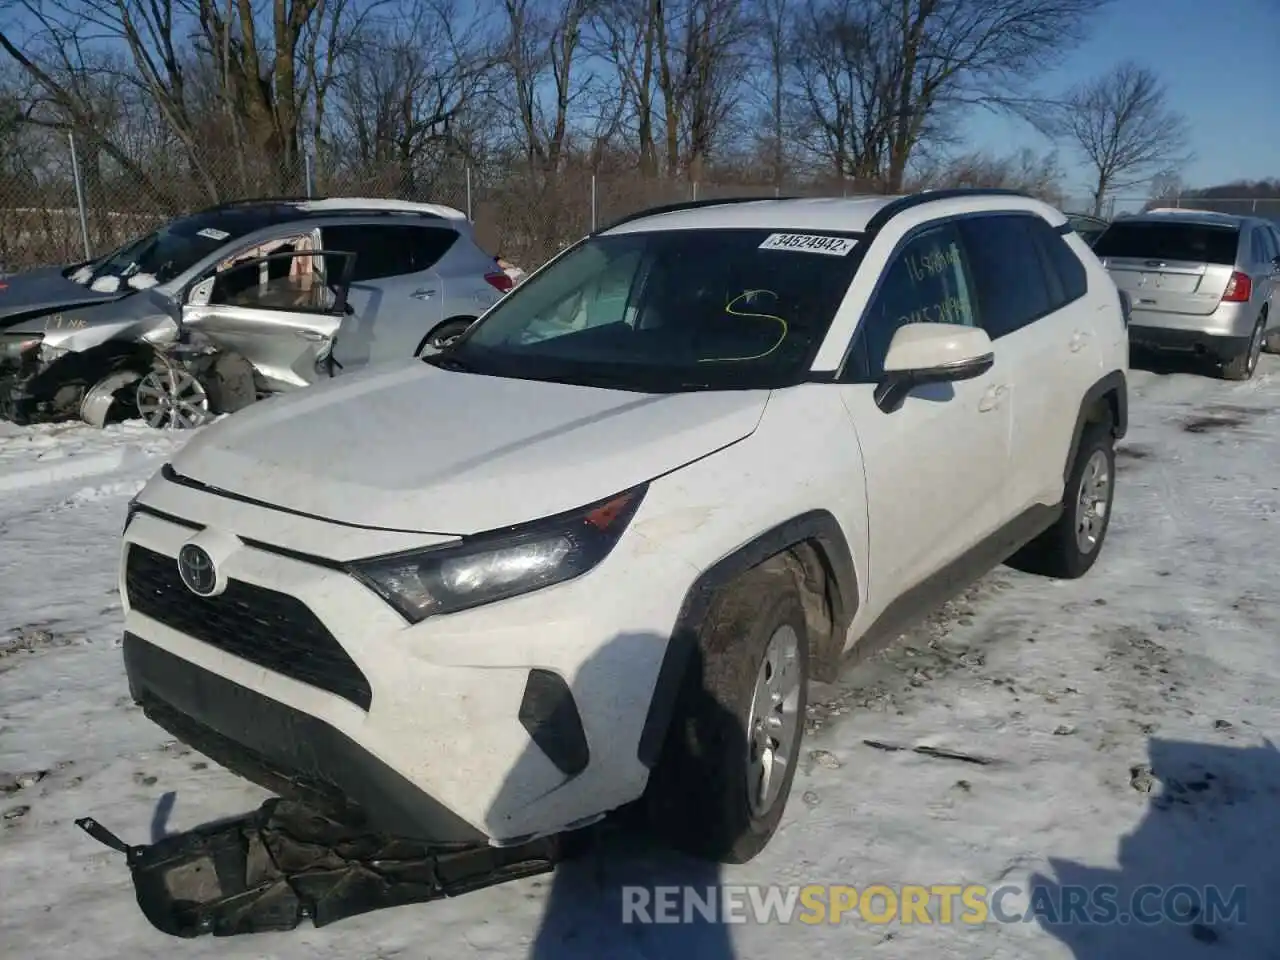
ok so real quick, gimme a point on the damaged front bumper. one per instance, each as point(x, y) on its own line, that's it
point(287, 862)
point(21, 361)
point(281, 749)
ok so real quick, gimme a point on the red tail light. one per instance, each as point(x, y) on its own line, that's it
point(499, 281)
point(1239, 289)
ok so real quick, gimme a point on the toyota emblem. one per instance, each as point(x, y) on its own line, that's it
point(195, 566)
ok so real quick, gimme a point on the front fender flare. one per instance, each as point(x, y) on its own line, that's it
point(817, 527)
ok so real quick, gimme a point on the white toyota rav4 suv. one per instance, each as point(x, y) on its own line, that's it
point(592, 552)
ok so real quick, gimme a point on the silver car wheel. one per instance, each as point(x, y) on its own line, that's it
point(771, 725)
point(1093, 502)
point(170, 397)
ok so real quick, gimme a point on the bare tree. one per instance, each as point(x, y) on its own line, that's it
point(542, 51)
point(626, 35)
point(400, 86)
point(1123, 126)
point(773, 33)
point(1025, 171)
point(882, 76)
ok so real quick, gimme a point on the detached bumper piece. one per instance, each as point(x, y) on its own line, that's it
point(286, 862)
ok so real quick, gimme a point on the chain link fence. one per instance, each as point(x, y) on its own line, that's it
point(74, 206)
point(1267, 208)
point(72, 210)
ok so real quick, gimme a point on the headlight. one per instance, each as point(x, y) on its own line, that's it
point(15, 346)
point(495, 566)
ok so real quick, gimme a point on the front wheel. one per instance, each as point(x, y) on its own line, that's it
point(1069, 548)
point(169, 396)
point(721, 786)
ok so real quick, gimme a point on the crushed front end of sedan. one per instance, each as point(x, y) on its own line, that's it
point(219, 308)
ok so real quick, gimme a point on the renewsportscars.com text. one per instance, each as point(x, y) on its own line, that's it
point(968, 904)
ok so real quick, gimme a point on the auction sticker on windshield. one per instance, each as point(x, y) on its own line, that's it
point(808, 243)
point(211, 233)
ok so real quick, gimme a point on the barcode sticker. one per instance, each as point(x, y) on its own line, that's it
point(809, 243)
point(213, 234)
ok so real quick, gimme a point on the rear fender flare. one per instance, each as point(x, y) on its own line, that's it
point(1111, 390)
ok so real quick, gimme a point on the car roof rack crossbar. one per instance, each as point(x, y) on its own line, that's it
point(687, 205)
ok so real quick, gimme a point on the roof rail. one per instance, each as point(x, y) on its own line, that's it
point(254, 202)
point(911, 201)
point(1197, 211)
point(363, 205)
point(686, 205)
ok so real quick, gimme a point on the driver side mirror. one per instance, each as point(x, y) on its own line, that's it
point(926, 353)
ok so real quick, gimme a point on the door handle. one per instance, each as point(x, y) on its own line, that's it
point(423, 294)
point(1078, 340)
point(993, 398)
point(313, 335)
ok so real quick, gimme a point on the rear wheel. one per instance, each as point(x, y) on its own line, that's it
point(230, 381)
point(727, 767)
point(1070, 547)
point(1242, 366)
point(1271, 341)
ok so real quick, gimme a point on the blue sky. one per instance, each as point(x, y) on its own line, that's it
point(1220, 60)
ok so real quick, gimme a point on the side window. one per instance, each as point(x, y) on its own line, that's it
point(1063, 261)
point(289, 281)
point(926, 282)
point(1257, 251)
point(1008, 274)
point(389, 250)
point(1266, 244)
point(427, 245)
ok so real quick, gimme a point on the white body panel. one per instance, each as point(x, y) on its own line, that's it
point(360, 468)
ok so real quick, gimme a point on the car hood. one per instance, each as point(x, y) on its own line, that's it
point(38, 291)
point(425, 450)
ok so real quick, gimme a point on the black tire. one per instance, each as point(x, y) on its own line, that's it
point(1243, 365)
point(1057, 552)
point(445, 331)
point(229, 380)
point(697, 800)
point(1270, 341)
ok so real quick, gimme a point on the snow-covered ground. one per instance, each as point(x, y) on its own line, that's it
point(1125, 716)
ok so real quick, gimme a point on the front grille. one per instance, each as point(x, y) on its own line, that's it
point(273, 630)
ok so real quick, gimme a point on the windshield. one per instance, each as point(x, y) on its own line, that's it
point(182, 243)
point(668, 311)
point(1146, 239)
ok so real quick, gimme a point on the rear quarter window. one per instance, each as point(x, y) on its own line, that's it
point(389, 250)
point(1194, 242)
point(1009, 275)
point(1072, 278)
